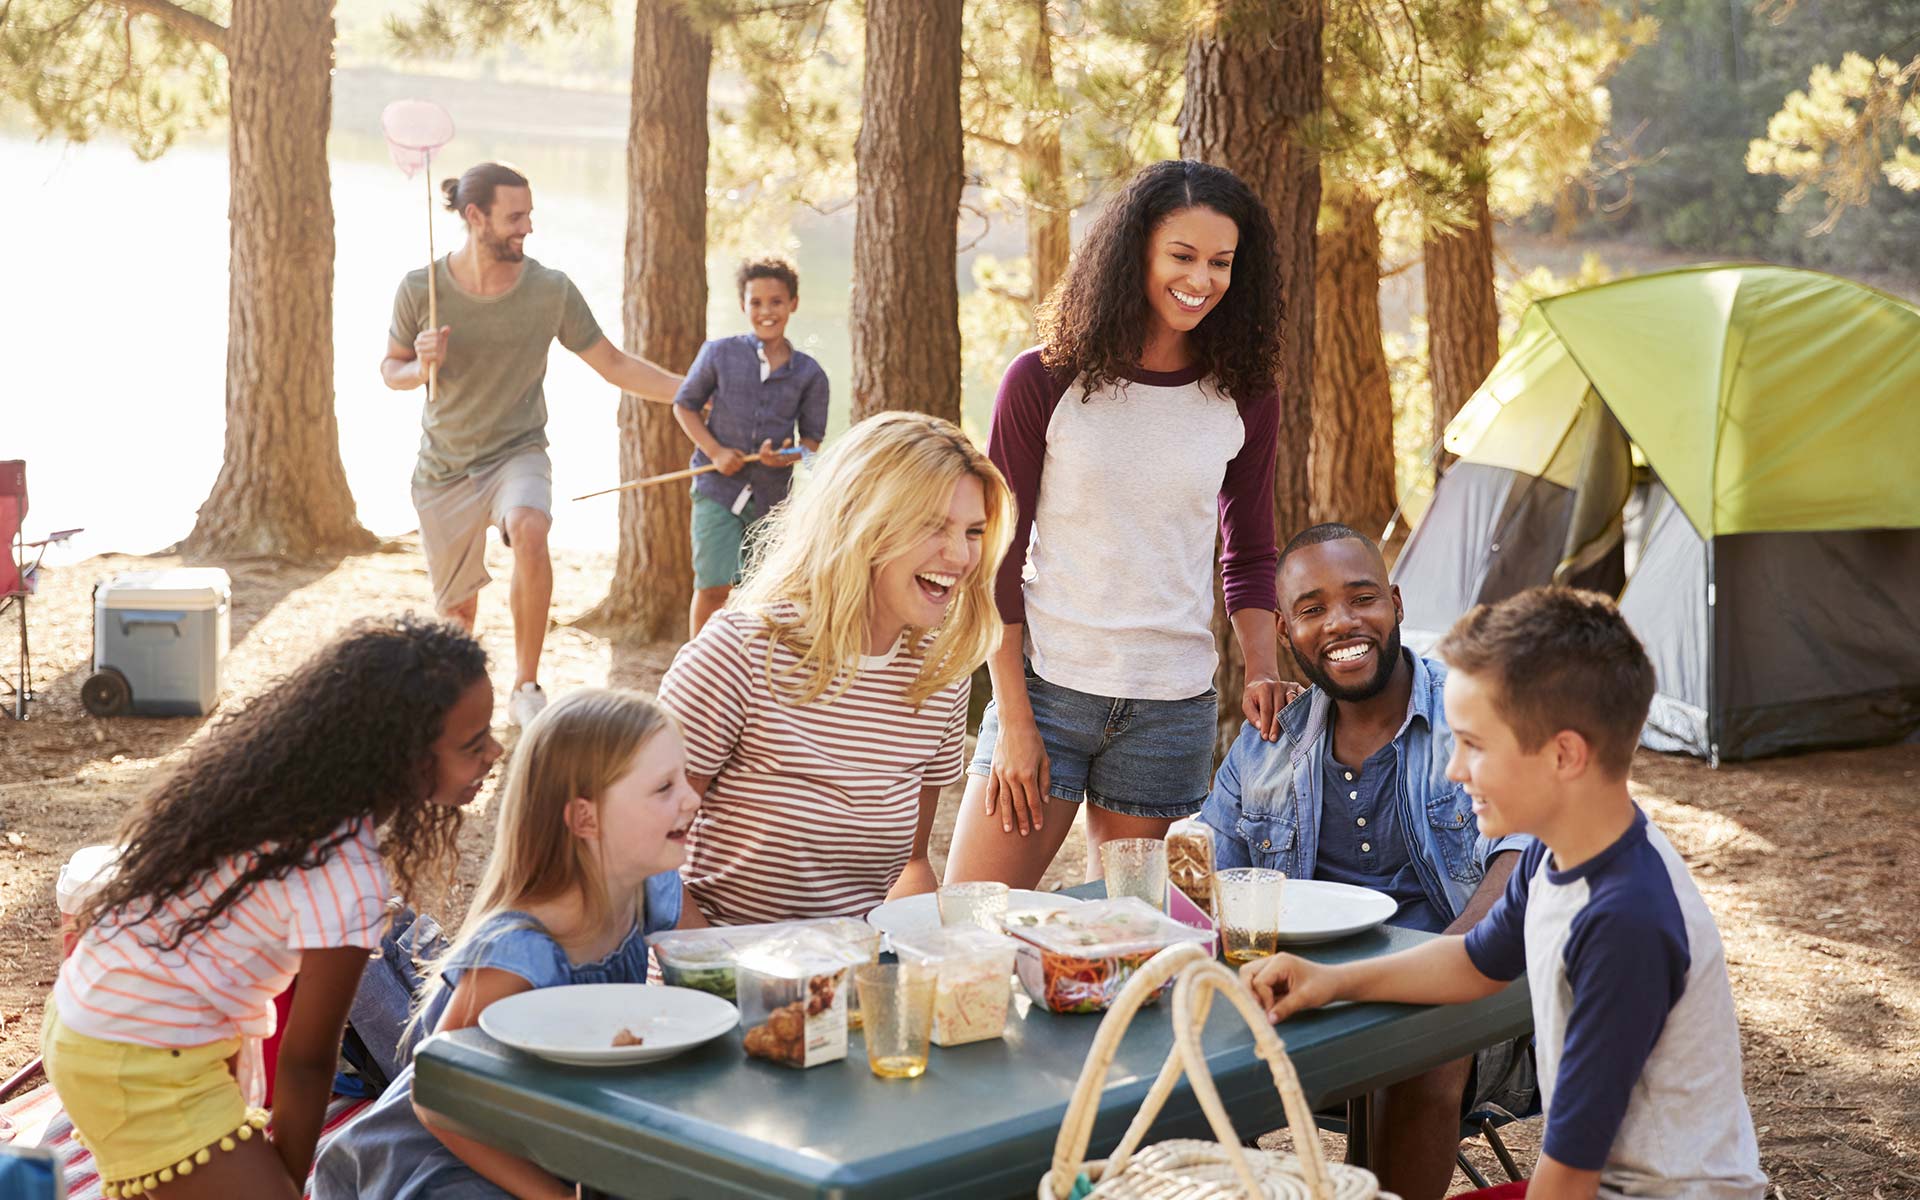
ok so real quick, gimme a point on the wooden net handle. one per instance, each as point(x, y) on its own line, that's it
point(1076, 1128)
point(1191, 999)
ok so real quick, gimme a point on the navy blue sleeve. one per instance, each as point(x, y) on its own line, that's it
point(703, 378)
point(813, 407)
point(1626, 962)
point(1221, 813)
point(1497, 945)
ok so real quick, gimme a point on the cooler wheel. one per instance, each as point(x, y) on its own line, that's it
point(105, 693)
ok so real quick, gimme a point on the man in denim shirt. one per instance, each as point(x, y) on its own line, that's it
point(1354, 790)
point(759, 392)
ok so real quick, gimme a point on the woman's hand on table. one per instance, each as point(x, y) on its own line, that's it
point(1017, 783)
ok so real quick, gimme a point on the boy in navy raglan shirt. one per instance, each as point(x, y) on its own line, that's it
point(1638, 1046)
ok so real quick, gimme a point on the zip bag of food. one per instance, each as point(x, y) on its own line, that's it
point(706, 958)
point(793, 994)
point(1078, 959)
point(975, 985)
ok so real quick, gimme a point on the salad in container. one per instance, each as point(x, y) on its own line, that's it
point(708, 959)
point(1078, 959)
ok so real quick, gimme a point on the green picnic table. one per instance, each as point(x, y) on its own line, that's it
point(980, 1123)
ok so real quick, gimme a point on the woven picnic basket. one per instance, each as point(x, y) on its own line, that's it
point(1193, 1169)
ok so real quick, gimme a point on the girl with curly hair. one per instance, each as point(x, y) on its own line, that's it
point(592, 825)
point(1144, 423)
point(262, 860)
point(825, 707)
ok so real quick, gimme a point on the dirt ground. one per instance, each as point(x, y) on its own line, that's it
point(1808, 863)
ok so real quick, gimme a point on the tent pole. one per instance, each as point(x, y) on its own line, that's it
point(1713, 661)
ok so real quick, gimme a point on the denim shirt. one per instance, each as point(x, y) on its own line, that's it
point(1266, 802)
point(790, 402)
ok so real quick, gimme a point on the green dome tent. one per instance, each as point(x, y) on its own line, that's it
point(1733, 451)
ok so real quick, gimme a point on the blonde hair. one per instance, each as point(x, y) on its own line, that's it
point(580, 745)
point(867, 500)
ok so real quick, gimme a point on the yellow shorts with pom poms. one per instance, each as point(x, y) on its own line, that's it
point(147, 1113)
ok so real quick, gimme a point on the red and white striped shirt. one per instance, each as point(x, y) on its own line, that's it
point(220, 982)
point(812, 808)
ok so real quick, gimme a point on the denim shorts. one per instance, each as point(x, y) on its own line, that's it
point(1139, 758)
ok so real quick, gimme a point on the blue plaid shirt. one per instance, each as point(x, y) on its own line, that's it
point(748, 409)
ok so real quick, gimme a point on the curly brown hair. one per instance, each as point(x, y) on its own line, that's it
point(1094, 323)
point(348, 734)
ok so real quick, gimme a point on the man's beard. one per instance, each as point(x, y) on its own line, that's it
point(502, 249)
point(1382, 674)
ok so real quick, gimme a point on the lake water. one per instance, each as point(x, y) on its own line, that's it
point(115, 324)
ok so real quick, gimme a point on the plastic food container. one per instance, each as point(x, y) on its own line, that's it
point(793, 995)
point(975, 983)
point(707, 958)
point(1079, 959)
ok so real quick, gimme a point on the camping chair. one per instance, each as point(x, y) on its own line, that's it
point(18, 577)
point(1481, 1123)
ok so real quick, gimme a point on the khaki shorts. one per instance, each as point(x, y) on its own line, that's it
point(454, 518)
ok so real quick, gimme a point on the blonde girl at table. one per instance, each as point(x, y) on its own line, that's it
point(825, 707)
point(592, 826)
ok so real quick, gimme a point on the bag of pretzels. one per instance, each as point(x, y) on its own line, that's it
point(1190, 861)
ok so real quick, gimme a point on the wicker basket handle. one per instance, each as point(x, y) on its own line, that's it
point(1191, 998)
point(1076, 1128)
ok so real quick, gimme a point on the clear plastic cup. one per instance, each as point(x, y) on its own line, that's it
point(982, 903)
point(1250, 901)
point(897, 1002)
point(1136, 867)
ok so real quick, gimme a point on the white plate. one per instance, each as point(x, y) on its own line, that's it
point(576, 1024)
point(921, 914)
point(1314, 910)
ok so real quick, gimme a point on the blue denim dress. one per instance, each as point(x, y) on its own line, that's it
point(386, 1154)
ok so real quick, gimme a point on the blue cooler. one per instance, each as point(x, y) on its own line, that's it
point(160, 639)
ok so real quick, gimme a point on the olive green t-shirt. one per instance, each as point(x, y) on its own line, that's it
point(488, 402)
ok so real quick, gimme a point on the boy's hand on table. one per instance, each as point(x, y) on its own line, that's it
point(771, 457)
point(1286, 984)
point(728, 460)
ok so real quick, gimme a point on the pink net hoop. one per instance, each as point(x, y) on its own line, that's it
point(414, 130)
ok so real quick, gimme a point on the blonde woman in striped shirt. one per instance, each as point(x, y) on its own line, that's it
point(825, 707)
point(259, 861)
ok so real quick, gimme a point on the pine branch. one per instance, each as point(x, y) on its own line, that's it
point(180, 20)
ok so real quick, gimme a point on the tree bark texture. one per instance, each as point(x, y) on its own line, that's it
point(1049, 219)
point(1253, 80)
point(1351, 462)
point(281, 490)
point(1463, 317)
point(664, 314)
point(905, 312)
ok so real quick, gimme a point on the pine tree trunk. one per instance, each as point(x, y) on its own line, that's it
point(1351, 462)
point(905, 312)
point(281, 490)
point(664, 314)
point(1463, 318)
point(1049, 220)
point(1253, 80)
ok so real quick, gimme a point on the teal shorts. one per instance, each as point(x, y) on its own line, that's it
point(718, 539)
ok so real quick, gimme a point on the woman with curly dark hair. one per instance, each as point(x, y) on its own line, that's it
point(1143, 423)
point(262, 859)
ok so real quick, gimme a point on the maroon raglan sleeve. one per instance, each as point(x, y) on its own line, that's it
point(1250, 556)
point(1017, 444)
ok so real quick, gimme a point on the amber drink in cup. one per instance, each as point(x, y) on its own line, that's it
point(982, 903)
point(1136, 867)
point(1249, 900)
point(896, 1002)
